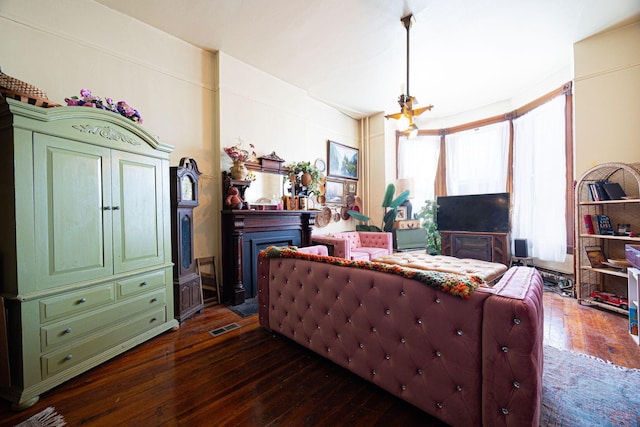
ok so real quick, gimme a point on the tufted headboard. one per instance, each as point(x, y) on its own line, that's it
point(439, 352)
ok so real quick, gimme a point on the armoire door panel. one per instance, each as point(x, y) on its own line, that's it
point(137, 211)
point(73, 232)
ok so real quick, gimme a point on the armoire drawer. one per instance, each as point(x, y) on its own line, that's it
point(81, 350)
point(76, 302)
point(141, 283)
point(67, 330)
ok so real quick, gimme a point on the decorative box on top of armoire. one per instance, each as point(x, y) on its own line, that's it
point(85, 254)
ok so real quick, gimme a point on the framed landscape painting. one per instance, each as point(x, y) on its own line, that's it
point(334, 192)
point(343, 161)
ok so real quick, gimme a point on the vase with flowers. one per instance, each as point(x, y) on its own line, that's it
point(239, 156)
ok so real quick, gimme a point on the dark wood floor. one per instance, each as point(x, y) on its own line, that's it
point(249, 377)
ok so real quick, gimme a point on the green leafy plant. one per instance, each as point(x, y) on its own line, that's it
point(391, 206)
point(298, 169)
point(427, 215)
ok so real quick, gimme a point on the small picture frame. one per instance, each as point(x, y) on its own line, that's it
point(401, 213)
point(352, 188)
point(624, 228)
point(334, 192)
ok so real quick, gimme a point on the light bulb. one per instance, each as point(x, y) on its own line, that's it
point(403, 123)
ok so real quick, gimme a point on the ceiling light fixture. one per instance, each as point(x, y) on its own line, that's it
point(406, 101)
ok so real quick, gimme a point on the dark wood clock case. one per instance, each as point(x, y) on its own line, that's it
point(184, 198)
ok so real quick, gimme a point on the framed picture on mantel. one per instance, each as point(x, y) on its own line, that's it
point(343, 161)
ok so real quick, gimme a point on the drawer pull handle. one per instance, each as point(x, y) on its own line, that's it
point(68, 357)
point(67, 331)
point(143, 283)
point(106, 208)
point(116, 208)
point(81, 300)
point(153, 319)
point(154, 299)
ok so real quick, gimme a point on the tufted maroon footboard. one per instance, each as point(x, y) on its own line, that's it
point(474, 361)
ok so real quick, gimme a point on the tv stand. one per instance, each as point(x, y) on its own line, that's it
point(493, 247)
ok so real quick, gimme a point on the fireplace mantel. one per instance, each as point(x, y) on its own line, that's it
point(247, 232)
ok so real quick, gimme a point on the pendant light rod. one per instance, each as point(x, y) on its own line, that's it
point(407, 21)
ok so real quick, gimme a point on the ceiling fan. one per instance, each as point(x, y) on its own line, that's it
point(406, 101)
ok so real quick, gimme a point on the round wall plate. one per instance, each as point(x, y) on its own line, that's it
point(320, 165)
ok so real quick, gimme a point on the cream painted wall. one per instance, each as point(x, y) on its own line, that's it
point(262, 110)
point(198, 101)
point(606, 98)
point(66, 45)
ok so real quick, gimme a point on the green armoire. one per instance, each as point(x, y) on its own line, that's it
point(85, 247)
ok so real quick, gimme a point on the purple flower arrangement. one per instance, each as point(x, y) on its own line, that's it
point(89, 100)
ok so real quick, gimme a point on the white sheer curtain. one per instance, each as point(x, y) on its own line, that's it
point(418, 159)
point(477, 160)
point(539, 177)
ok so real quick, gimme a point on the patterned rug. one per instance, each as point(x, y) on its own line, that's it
point(247, 308)
point(580, 390)
point(47, 418)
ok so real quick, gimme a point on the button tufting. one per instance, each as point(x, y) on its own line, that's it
point(309, 340)
point(419, 321)
point(419, 371)
point(328, 276)
point(459, 332)
point(403, 387)
point(505, 349)
point(373, 329)
point(361, 345)
point(459, 387)
point(440, 405)
point(373, 372)
point(516, 384)
point(349, 319)
point(387, 356)
point(516, 321)
point(349, 360)
point(403, 293)
point(387, 311)
point(328, 350)
point(437, 300)
point(438, 354)
point(402, 340)
point(317, 291)
point(295, 268)
point(505, 411)
point(338, 335)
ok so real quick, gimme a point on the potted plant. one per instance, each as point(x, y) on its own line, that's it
point(391, 206)
point(303, 176)
point(428, 216)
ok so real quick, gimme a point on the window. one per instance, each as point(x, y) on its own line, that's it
point(527, 152)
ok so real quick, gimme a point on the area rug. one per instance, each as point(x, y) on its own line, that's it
point(247, 308)
point(581, 390)
point(47, 418)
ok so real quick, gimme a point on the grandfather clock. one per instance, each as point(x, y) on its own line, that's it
point(187, 287)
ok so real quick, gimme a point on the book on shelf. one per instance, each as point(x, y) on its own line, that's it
point(588, 224)
point(614, 190)
point(603, 224)
point(596, 256)
point(597, 192)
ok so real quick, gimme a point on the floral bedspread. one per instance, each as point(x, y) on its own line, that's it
point(454, 284)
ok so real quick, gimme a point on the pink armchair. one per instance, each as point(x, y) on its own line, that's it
point(357, 245)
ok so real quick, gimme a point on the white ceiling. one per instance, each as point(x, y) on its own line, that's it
point(351, 54)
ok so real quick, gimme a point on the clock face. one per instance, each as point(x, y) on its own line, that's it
point(187, 188)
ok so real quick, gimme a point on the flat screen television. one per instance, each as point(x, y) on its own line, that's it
point(477, 213)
